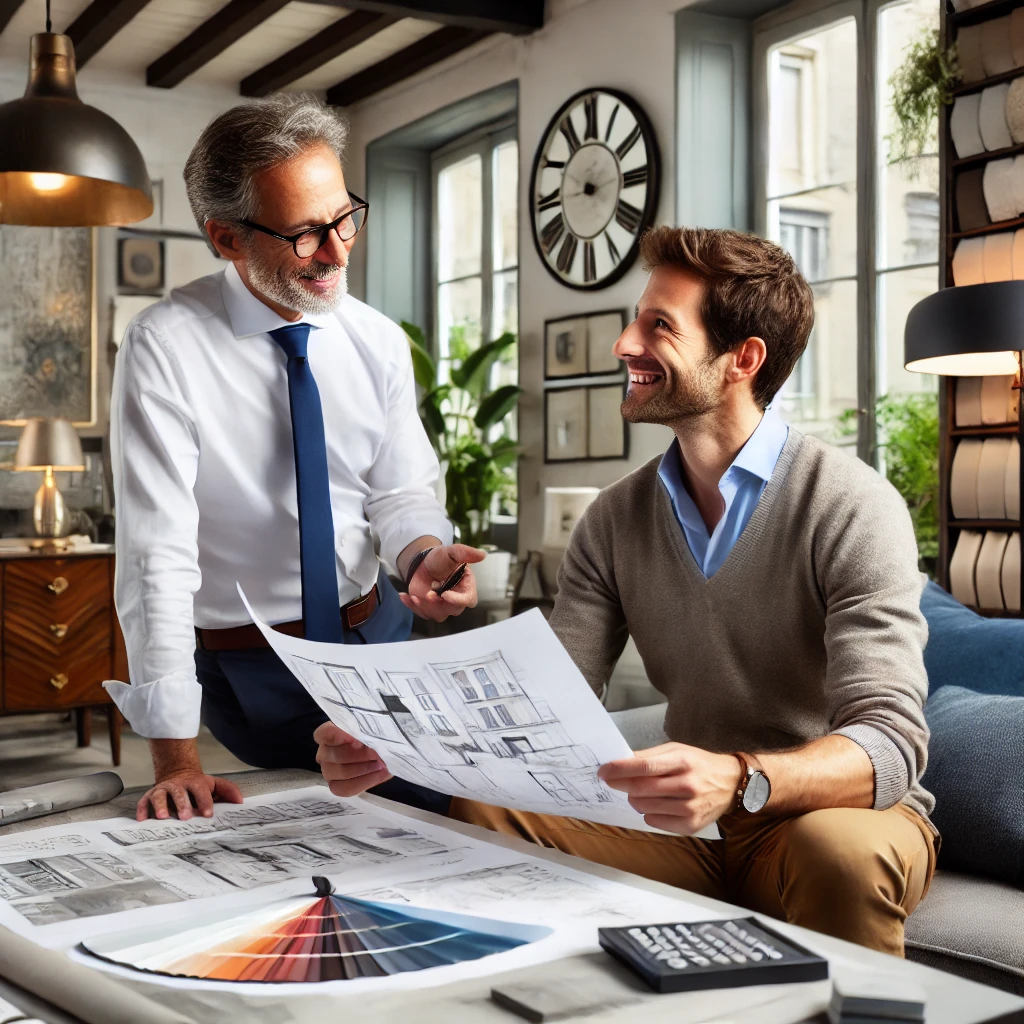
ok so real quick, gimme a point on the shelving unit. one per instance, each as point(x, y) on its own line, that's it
point(950, 433)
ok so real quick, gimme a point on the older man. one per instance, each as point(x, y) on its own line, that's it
point(770, 583)
point(264, 429)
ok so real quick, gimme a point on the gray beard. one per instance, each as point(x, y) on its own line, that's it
point(275, 284)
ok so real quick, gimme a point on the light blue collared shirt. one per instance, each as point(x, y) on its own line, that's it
point(741, 486)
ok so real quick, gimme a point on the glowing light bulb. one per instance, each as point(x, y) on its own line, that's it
point(47, 182)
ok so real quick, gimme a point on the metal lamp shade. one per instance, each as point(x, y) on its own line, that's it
point(62, 162)
point(973, 330)
point(49, 443)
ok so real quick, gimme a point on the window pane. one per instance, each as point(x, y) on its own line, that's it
point(819, 230)
point(505, 308)
point(460, 219)
point(458, 317)
point(824, 383)
point(506, 195)
point(898, 291)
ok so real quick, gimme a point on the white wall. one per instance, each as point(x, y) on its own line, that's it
point(613, 43)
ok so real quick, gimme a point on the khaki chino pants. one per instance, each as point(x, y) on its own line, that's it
point(849, 872)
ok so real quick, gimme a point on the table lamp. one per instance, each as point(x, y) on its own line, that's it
point(47, 445)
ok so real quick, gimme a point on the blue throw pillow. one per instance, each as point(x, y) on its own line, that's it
point(976, 773)
point(967, 649)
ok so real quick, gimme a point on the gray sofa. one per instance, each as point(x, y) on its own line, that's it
point(966, 925)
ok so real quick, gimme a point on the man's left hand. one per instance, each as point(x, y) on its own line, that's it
point(675, 787)
point(423, 597)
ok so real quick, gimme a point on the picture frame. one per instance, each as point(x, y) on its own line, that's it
point(563, 509)
point(585, 424)
point(141, 266)
point(581, 345)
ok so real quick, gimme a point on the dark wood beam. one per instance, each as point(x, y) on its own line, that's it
point(314, 53)
point(210, 40)
point(518, 17)
point(8, 8)
point(98, 24)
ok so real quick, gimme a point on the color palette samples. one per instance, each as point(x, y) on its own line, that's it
point(323, 937)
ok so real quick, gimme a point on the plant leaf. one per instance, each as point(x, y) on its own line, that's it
point(497, 405)
point(472, 373)
point(423, 366)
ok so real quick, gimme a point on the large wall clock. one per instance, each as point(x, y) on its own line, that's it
point(594, 188)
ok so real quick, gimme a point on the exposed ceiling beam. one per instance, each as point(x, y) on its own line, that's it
point(314, 53)
point(210, 40)
point(430, 50)
point(8, 8)
point(98, 24)
point(518, 17)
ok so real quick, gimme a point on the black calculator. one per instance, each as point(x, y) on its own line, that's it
point(687, 956)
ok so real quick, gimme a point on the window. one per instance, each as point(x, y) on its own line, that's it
point(502, 712)
point(823, 111)
point(490, 690)
point(468, 689)
point(441, 726)
point(490, 722)
point(427, 702)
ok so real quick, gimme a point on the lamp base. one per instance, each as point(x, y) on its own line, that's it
point(49, 513)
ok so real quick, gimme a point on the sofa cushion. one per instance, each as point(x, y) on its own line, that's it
point(967, 649)
point(976, 773)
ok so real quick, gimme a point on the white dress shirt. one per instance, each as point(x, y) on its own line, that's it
point(204, 476)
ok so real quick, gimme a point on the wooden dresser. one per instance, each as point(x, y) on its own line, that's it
point(61, 638)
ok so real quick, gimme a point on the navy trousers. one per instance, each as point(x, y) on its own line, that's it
point(255, 706)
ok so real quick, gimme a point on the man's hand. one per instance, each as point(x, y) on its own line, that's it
point(350, 766)
point(180, 776)
point(675, 787)
point(423, 598)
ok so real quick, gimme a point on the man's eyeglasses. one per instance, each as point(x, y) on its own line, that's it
point(307, 242)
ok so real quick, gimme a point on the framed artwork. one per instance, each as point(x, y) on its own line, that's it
point(563, 508)
point(48, 348)
point(585, 424)
point(581, 346)
point(140, 266)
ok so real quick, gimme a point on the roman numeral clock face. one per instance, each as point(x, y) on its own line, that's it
point(594, 189)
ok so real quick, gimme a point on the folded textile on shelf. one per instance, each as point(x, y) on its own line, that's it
point(1018, 254)
point(961, 567)
point(997, 404)
point(1017, 37)
point(967, 412)
point(989, 569)
point(971, 211)
point(997, 257)
point(998, 186)
point(1011, 573)
point(968, 261)
point(963, 480)
point(995, 132)
point(968, 50)
point(996, 50)
point(1014, 107)
point(1017, 184)
point(992, 478)
point(965, 125)
point(1011, 482)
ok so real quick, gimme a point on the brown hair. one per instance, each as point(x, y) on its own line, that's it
point(752, 290)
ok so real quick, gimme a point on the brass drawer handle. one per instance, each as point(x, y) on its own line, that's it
point(58, 586)
point(59, 681)
point(59, 630)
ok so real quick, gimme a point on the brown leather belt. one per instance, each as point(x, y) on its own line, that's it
point(237, 638)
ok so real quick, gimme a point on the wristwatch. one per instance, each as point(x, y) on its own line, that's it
point(754, 790)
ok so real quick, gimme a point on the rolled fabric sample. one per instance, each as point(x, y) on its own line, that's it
point(988, 570)
point(961, 567)
point(1017, 182)
point(995, 132)
point(1018, 254)
point(965, 125)
point(1017, 37)
point(968, 50)
point(997, 257)
point(62, 795)
point(995, 399)
point(87, 995)
point(1011, 573)
point(996, 50)
point(968, 402)
point(998, 186)
point(963, 480)
point(968, 261)
point(992, 478)
point(1014, 108)
point(1011, 482)
point(971, 211)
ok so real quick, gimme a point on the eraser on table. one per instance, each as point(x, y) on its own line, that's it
point(965, 125)
point(881, 997)
point(996, 49)
point(992, 478)
point(998, 186)
point(995, 132)
point(963, 479)
point(967, 412)
point(1011, 573)
point(997, 257)
point(961, 567)
point(988, 571)
point(551, 1002)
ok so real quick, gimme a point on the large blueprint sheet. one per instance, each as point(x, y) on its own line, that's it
point(499, 714)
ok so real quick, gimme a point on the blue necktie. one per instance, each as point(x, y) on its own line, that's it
point(320, 601)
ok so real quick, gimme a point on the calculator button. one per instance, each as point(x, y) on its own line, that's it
point(676, 964)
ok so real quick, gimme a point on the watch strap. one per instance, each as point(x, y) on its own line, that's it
point(416, 562)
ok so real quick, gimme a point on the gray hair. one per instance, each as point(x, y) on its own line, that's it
point(236, 145)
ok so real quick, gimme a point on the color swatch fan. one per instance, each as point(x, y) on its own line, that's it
point(321, 937)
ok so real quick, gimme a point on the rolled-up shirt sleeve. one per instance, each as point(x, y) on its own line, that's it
point(402, 504)
point(155, 455)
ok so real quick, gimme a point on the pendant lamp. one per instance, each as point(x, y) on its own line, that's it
point(62, 162)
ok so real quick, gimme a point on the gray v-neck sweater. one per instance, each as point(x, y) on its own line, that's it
point(811, 626)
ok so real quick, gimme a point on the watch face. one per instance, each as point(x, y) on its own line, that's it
point(758, 791)
point(594, 189)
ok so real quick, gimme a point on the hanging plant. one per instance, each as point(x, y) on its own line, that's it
point(921, 86)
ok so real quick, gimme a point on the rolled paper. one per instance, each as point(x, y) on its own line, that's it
point(989, 569)
point(1018, 254)
point(995, 399)
point(998, 186)
point(968, 401)
point(1011, 482)
point(965, 125)
point(971, 211)
point(961, 567)
point(62, 795)
point(968, 50)
point(1011, 573)
point(963, 480)
point(86, 994)
point(996, 50)
point(997, 257)
point(1017, 182)
point(995, 132)
point(992, 478)
point(968, 261)
point(1014, 107)
point(1017, 37)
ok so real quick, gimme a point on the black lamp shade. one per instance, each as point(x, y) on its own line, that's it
point(974, 330)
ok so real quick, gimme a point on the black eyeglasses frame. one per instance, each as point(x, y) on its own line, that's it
point(324, 229)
